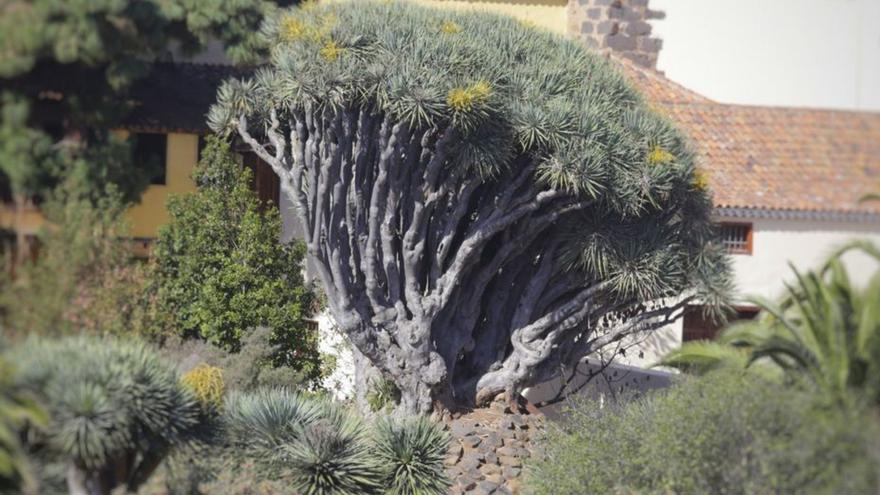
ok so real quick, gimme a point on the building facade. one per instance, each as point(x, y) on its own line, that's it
point(167, 129)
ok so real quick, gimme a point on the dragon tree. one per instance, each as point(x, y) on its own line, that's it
point(485, 202)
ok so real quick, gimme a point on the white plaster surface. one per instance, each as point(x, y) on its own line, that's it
point(777, 245)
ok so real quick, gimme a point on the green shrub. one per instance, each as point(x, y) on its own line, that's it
point(412, 452)
point(117, 409)
point(724, 433)
point(84, 279)
point(332, 456)
point(264, 420)
point(250, 368)
point(319, 448)
point(220, 270)
point(383, 395)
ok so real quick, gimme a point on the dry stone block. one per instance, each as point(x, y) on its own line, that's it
point(510, 472)
point(489, 448)
point(511, 461)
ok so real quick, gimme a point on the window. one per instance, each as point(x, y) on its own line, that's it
point(149, 152)
point(737, 237)
point(698, 327)
point(201, 148)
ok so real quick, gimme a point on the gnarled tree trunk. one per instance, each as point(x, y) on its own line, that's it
point(447, 281)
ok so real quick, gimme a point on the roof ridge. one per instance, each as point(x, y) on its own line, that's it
point(659, 76)
point(781, 108)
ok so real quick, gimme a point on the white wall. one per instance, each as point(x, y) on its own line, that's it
point(813, 53)
point(805, 244)
point(775, 244)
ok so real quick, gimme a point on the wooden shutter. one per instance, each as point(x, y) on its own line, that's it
point(264, 181)
point(696, 327)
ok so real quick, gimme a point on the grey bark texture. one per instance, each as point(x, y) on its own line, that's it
point(447, 281)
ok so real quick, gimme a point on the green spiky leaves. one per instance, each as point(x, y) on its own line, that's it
point(510, 98)
point(321, 448)
point(108, 399)
point(412, 449)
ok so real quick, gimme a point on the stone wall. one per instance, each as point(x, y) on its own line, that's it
point(619, 26)
point(488, 450)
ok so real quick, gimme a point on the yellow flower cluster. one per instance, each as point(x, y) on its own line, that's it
point(292, 29)
point(659, 155)
point(449, 27)
point(316, 31)
point(700, 181)
point(308, 5)
point(464, 99)
point(206, 383)
point(331, 51)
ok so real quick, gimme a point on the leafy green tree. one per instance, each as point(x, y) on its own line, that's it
point(117, 410)
point(66, 70)
point(824, 328)
point(84, 279)
point(221, 270)
point(484, 202)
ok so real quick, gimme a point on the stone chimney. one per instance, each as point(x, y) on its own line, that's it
point(619, 26)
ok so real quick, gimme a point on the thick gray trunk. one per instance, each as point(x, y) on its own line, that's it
point(365, 377)
point(445, 282)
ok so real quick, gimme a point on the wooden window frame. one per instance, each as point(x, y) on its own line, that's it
point(747, 250)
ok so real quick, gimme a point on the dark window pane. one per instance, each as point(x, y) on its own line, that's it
point(202, 144)
point(150, 152)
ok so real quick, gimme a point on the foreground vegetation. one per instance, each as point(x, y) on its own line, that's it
point(825, 331)
point(119, 413)
point(727, 432)
point(783, 404)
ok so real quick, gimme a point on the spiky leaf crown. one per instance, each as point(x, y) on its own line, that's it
point(107, 397)
point(515, 95)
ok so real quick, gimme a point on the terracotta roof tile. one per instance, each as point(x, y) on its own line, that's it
point(771, 157)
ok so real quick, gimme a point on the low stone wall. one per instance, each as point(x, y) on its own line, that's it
point(488, 450)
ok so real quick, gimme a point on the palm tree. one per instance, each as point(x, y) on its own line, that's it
point(824, 328)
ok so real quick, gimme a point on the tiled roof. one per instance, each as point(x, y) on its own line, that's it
point(774, 158)
point(175, 97)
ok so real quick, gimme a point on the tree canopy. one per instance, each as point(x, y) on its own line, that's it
point(485, 201)
point(65, 68)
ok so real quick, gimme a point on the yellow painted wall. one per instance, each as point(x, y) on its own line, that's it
point(181, 158)
point(145, 217)
point(548, 14)
point(30, 220)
